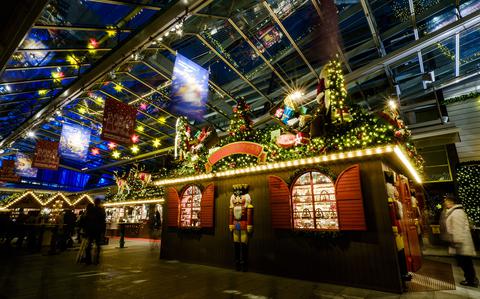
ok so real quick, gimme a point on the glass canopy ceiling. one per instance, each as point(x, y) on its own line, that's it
point(258, 50)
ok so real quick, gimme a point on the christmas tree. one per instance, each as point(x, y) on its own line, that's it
point(182, 138)
point(336, 88)
point(468, 182)
point(240, 125)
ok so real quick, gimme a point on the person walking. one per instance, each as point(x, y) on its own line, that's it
point(457, 233)
point(95, 225)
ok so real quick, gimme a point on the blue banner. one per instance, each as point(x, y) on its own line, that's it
point(74, 142)
point(23, 166)
point(189, 89)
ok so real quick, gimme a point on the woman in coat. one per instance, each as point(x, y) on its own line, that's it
point(457, 233)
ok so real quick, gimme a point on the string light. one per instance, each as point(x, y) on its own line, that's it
point(42, 92)
point(136, 202)
point(31, 134)
point(294, 163)
point(468, 179)
point(49, 200)
point(81, 198)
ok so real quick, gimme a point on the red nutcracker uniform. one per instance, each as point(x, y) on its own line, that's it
point(241, 223)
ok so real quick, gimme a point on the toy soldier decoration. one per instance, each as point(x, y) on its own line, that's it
point(241, 220)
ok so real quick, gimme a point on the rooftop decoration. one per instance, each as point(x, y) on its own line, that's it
point(349, 130)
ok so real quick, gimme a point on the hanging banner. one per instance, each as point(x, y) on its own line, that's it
point(46, 155)
point(7, 172)
point(23, 166)
point(189, 89)
point(265, 38)
point(74, 142)
point(118, 122)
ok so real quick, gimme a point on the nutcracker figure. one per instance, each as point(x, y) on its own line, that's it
point(241, 220)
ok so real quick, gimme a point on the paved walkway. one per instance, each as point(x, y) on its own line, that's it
point(136, 272)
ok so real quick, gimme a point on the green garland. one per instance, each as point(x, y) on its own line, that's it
point(462, 98)
point(468, 182)
point(364, 131)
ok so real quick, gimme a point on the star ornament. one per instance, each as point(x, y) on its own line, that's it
point(95, 151)
point(143, 106)
point(156, 143)
point(135, 138)
point(111, 145)
point(116, 154)
point(135, 149)
point(118, 87)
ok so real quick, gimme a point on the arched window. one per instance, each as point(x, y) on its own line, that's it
point(313, 202)
point(190, 200)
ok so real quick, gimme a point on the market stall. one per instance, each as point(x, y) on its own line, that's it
point(135, 205)
point(306, 198)
point(322, 218)
point(45, 203)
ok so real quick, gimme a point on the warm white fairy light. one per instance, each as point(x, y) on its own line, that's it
point(49, 200)
point(82, 197)
point(407, 164)
point(136, 202)
point(293, 164)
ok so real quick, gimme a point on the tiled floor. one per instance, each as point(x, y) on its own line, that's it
point(136, 272)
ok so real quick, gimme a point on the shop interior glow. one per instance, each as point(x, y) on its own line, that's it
point(49, 200)
point(299, 162)
point(133, 202)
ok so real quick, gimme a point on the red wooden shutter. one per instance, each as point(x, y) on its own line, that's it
point(280, 203)
point(173, 201)
point(207, 206)
point(348, 193)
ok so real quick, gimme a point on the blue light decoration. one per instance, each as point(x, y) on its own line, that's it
point(23, 166)
point(189, 89)
point(74, 142)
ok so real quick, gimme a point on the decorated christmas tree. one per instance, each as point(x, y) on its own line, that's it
point(182, 138)
point(468, 182)
point(336, 88)
point(240, 125)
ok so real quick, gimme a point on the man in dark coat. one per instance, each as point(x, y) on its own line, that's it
point(95, 225)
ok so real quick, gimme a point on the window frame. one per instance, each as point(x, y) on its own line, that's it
point(293, 184)
point(182, 207)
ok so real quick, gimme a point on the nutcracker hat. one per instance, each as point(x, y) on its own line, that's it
point(241, 187)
